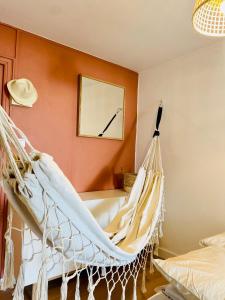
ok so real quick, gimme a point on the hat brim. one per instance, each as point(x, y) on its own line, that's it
point(28, 101)
point(21, 103)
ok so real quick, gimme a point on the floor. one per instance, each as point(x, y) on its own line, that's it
point(152, 282)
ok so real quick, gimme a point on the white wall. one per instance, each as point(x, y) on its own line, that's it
point(193, 142)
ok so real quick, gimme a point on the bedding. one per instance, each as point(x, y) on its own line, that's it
point(217, 240)
point(170, 292)
point(199, 274)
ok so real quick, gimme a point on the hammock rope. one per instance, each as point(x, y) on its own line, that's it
point(63, 231)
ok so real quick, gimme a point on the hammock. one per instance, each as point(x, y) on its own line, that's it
point(54, 214)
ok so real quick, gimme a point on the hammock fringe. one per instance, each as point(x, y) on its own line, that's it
point(143, 285)
point(8, 279)
point(64, 289)
point(123, 297)
point(77, 290)
point(135, 289)
point(18, 293)
point(41, 288)
point(151, 265)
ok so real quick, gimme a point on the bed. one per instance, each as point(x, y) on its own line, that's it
point(198, 274)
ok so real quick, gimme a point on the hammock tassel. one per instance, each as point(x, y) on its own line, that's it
point(64, 289)
point(162, 218)
point(156, 250)
point(8, 280)
point(91, 286)
point(91, 295)
point(143, 285)
point(41, 288)
point(151, 269)
point(18, 293)
point(135, 289)
point(77, 291)
point(156, 243)
point(123, 293)
point(161, 229)
point(109, 295)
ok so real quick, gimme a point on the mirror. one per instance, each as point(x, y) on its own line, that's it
point(101, 109)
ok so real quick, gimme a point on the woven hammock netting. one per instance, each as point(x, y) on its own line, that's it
point(60, 229)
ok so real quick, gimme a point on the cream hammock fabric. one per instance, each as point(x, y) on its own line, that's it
point(53, 212)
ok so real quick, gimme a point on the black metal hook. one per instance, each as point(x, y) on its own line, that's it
point(158, 120)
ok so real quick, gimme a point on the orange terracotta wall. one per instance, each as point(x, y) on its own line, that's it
point(51, 124)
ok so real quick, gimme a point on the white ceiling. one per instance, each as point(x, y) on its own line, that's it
point(133, 33)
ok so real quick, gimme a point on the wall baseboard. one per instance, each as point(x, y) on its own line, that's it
point(165, 253)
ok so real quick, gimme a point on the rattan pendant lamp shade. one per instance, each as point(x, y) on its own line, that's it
point(209, 17)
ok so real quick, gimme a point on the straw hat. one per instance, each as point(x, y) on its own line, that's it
point(22, 92)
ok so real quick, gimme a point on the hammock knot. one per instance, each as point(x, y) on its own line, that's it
point(156, 133)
